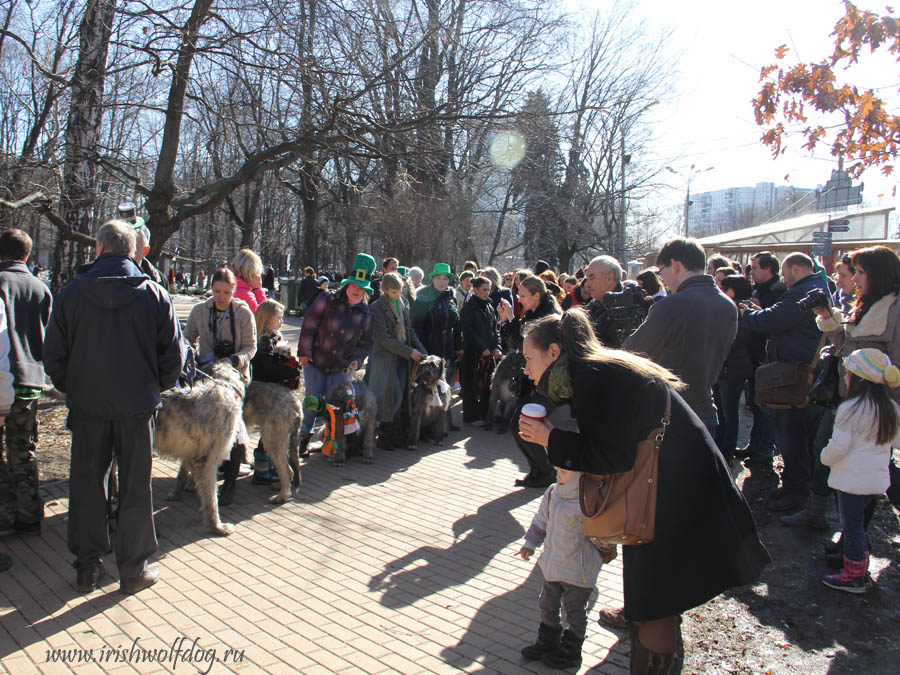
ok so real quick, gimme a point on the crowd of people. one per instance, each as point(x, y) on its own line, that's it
point(684, 341)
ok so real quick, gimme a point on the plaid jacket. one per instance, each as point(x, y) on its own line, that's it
point(334, 332)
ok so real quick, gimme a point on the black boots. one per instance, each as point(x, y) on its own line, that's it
point(646, 662)
point(385, 440)
point(231, 469)
point(547, 641)
point(567, 653)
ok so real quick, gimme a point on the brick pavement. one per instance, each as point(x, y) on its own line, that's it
point(405, 566)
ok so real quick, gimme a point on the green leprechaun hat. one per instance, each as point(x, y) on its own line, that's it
point(361, 272)
point(441, 269)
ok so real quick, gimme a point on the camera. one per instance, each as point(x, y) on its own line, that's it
point(631, 296)
point(815, 299)
point(223, 349)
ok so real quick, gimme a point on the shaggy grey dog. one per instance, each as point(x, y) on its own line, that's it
point(505, 387)
point(367, 407)
point(277, 411)
point(199, 428)
point(429, 402)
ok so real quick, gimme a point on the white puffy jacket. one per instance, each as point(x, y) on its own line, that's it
point(568, 555)
point(859, 466)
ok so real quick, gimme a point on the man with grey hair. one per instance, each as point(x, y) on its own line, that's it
point(112, 345)
point(602, 276)
point(142, 248)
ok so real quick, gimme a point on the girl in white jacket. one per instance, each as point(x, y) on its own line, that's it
point(865, 429)
point(570, 563)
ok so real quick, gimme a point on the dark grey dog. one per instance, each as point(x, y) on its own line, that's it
point(199, 428)
point(505, 387)
point(366, 407)
point(429, 402)
point(277, 411)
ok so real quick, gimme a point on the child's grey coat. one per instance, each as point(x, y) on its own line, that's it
point(568, 555)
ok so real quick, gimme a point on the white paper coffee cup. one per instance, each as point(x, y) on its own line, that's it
point(534, 411)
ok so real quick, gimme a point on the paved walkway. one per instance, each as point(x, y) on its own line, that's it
point(402, 566)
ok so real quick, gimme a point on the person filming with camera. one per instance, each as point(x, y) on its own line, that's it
point(793, 337)
point(219, 329)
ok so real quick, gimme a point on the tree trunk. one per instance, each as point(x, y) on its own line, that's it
point(82, 135)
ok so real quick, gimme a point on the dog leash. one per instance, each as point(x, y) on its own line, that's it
point(239, 393)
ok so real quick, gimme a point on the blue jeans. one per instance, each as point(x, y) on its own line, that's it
point(730, 399)
point(856, 541)
point(317, 383)
point(762, 434)
point(795, 431)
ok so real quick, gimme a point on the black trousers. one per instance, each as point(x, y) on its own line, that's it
point(94, 441)
point(476, 401)
point(535, 455)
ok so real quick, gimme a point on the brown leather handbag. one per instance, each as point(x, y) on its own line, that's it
point(784, 385)
point(620, 508)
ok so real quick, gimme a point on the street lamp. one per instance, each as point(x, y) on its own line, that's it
point(693, 171)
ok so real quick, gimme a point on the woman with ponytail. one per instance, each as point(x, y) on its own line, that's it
point(705, 540)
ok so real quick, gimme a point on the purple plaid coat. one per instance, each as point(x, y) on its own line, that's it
point(334, 332)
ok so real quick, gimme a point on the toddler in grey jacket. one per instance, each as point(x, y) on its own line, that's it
point(570, 563)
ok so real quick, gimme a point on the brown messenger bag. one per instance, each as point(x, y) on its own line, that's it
point(620, 508)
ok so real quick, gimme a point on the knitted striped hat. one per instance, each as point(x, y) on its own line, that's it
point(873, 365)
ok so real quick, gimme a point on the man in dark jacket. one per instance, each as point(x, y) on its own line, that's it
point(27, 301)
point(793, 337)
point(481, 340)
point(767, 290)
point(308, 288)
point(691, 331)
point(603, 275)
point(113, 344)
point(388, 265)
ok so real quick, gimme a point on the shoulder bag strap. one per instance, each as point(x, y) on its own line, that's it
point(815, 360)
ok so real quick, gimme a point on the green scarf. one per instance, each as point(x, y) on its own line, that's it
point(556, 382)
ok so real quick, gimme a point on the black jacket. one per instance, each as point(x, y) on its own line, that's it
point(766, 294)
point(28, 302)
point(308, 288)
point(478, 320)
point(511, 331)
point(705, 540)
point(792, 333)
point(114, 341)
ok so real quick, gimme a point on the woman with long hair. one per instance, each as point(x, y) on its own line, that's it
point(222, 328)
point(872, 322)
point(705, 540)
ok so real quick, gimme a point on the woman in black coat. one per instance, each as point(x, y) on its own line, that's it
point(481, 345)
point(538, 303)
point(705, 540)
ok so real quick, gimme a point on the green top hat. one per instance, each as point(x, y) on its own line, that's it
point(361, 273)
point(403, 271)
point(441, 269)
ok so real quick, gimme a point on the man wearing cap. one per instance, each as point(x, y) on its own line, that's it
point(336, 336)
point(435, 318)
point(112, 345)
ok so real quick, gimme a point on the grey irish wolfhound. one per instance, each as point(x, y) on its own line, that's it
point(199, 428)
point(277, 411)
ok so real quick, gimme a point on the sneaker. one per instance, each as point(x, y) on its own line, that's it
point(264, 477)
point(844, 582)
point(476, 423)
point(5, 562)
point(852, 578)
point(145, 580)
point(613, 618)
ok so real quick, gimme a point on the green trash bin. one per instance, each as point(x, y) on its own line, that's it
point(290, 295)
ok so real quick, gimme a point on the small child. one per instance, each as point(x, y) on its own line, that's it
point(273, 362)
point(570, 563)
point(865, 428)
